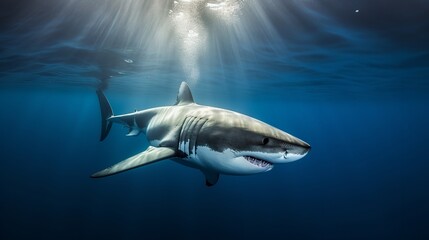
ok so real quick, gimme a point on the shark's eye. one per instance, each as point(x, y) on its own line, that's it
point(265, 141)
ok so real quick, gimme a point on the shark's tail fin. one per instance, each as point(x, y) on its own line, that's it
point(106, 112)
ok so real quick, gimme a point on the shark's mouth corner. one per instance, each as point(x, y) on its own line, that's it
point(258, 162)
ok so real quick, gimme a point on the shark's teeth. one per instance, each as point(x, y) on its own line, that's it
point(257, 162)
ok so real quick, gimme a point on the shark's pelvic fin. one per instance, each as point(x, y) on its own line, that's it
point(211, 177)
point(184, 96)
point(106, 112)
point(151, 155)
point(133, 132)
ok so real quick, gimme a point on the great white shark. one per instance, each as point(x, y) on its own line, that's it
point(213, 140)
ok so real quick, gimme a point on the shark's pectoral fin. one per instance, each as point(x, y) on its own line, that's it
point(151, 155)
point(211, 177)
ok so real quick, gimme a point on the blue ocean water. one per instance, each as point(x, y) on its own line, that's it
point(351, 79)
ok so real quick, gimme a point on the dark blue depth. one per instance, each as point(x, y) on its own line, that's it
point(364, 178)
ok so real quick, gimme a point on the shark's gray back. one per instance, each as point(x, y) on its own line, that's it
point(180, 126)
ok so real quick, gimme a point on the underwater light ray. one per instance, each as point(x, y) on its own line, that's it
point(199, 36)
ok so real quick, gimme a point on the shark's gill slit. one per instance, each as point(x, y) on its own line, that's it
point(189, 134)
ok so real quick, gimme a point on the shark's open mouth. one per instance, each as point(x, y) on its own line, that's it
point(258, 162)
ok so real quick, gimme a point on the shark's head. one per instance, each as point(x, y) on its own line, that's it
point(233, 143)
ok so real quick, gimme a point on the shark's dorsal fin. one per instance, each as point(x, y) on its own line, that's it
point(184, 96)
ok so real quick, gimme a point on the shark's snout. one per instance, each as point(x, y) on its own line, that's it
point(296, 150)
